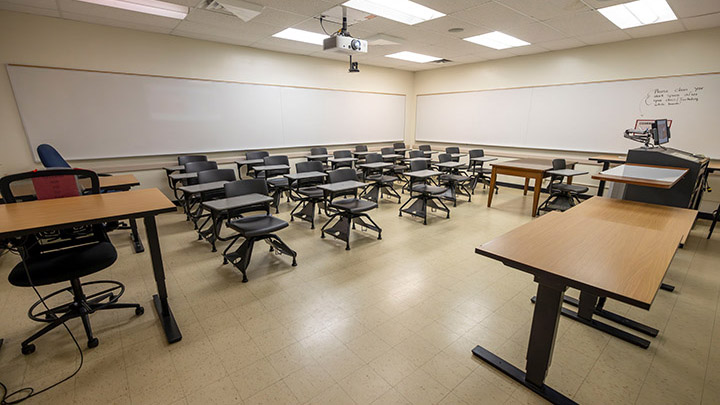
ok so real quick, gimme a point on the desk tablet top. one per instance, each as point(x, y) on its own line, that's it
point(264, 168)
point(615, 248)
point(33, 216)
point(304, 175)
point(374, 165)
point(342, 186)
point(483, 159)
point(528, 164)
point(345, 159)
point(174, 168)
point(643, 175)
point(422, 174)
point(312, 157)
point(392, 156)
point(449, 165)
point(182, 176)
point(250, 161)
point(240, 201)
point(200, 188)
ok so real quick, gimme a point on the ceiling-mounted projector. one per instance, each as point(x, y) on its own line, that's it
point(343, 44)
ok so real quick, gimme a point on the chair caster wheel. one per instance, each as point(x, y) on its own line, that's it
point(139, 311)
point(29, 349)
point(93, 343)
point(294, 263)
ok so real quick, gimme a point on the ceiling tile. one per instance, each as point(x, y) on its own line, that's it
point(604, 37)
point(545, 9)
point(527, 50)
point(702, 22)
point(279, 18)
point(378, 25)
point(308, 8)
point(692, 8)
point(163, 29)
point(656, 29)
point(585, 23)
point(450, 6)
point(187, 3)
point(534, 33)
point(604, 3)
point(115, 15)
point(285, 45)
point(494, 16)
point(564, 43)
point(442, 25)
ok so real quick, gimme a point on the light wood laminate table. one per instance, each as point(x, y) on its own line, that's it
point(30, 217)
point(529, 168)
point(643, 175)
point(625, 259)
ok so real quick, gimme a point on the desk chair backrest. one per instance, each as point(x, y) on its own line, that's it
point(276, 160)
point(425, 148)
point(416, 165)
point(50, 157)
point(453, 149)
point(373, 158)
point(476, 153)
point(399, 145)
point(361, 148)
point(339, 175)
point(244, 187)
point(52, 184)
point(258, 154)
point(558, 164)
point(209, 176)
point(318, 151)
point(387, 151)
point(310, 166)
point(342, 154)
point(444, 157)
point(191, 158)
point(417, 154)
point(196, 167)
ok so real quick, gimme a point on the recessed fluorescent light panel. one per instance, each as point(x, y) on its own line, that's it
point(413, 57)
point(404, 11)
point(637, 13)
point(497, 40)
point(154, 7)
point(301, 36)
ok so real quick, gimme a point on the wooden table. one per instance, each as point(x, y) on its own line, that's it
point(643, 175)
point(625, 259)
point(34, 216)
point(529, 168)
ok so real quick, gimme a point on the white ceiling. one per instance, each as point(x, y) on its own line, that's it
point(547, 24)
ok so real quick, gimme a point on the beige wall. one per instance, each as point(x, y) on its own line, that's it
point(29, 39)
point(674, 54)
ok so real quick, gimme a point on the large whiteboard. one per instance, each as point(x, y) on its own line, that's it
point(579, 117)
point(88, 115)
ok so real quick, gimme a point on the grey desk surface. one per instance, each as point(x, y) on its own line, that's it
point(392, 156)
point(646, 173)
point(401, 149)
point(457, 155)
point(375, 165)
point(271, 167)
point(362, 153)
point(423, 174)
point(250, 161)
point(174, 168)
point(182, 176)
point(304, 175)
point(449, 165)
point(342, 186)
point(314, 157)
point(204, 187)
point(237, 202)
point(416, 159)
point(341, 160)
point(566, 172)
point(483, 159)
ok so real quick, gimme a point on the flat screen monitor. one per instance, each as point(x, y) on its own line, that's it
point(661, 132)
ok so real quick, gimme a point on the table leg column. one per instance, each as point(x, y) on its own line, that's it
point(601, 186)
point(493, 179)
point(542, 333)
point(536, 193)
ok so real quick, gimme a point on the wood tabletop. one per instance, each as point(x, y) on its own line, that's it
point(614, 248)
point(530, 164)
point(33, 216)
point(22, 189)
point(609, 158)
point(643, 175)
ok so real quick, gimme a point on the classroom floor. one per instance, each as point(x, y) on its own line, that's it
point(392, 321)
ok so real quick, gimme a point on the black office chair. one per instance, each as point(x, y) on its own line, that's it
point(361, 148)
point(456, 180)
point(307, 193)
point(399, 145)
point(253, 228)
point(340, 154)
point(425, 149)
point(479, 173)
point(277, 182)
point(396, 169)
point(417, 154)
point(320, 151)
point(563, 196)
point(716, 217)
point(204, 177)
point(381, 183)
point(451, 150)
point(254, 155)
point(191, 158)
point(64, 255)
point(425, 194)
point(348, 210)
point(195, 167)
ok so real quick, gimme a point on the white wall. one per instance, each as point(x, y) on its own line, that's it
point(674, 54)
point(36, 40)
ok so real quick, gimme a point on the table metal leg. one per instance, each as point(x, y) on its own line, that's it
point(493, 179)
point(601, 186)
point(540, 348)
point(135, 237)
point(172, 332)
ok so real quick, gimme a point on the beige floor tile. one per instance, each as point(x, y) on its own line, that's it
point(332, 396)
point(254, 378)
point(446, 370)
point(364, 385)
point(392, 397)
point(368, 347)
point(421, 388)
point(393, 367)
point(340, 363)
point(278, 393)
point(220, 392)
point(309, 382)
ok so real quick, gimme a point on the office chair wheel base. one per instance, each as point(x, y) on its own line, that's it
point(29, 349)
point(92, 343)
point(139, 311)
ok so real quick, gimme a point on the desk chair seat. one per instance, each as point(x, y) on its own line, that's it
point(354, 205)
point(257, 225)
point(65, 256)
point(563, 196)
point(306, 192)
point(480, 174)
point(253, 228)
point(571, 188)
point(428, 189)
point(382, 183)
point(423, 194)
point(311, 192)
